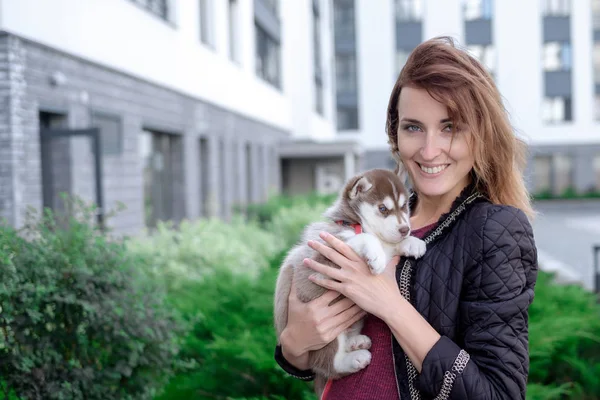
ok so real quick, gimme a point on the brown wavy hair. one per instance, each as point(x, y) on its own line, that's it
point(455, 78)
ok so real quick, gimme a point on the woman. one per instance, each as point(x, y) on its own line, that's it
point(453, 324)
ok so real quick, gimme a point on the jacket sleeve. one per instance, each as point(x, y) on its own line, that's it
point(305, 375)
point(493, 362)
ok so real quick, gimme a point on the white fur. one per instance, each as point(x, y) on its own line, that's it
point(402, 200)
point(389, 203)
point(370, 249)
point(412, 246)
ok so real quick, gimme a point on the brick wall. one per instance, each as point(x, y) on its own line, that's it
point(138, 104)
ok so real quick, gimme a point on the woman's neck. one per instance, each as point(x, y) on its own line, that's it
point(429, 209)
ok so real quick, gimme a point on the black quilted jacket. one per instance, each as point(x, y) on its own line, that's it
point(474, 285)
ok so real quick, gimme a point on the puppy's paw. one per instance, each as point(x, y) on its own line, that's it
point(376, 263)
point(358, 360)
point(359, 342)
point(413, 247)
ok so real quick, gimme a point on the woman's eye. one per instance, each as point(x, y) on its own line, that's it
point(382, 208)
point(449, 128)
point(412, 128)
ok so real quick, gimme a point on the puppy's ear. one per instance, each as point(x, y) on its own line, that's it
point(362, 185)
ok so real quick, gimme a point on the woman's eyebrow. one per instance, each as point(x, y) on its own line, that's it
point(412, 121)
point(416, 121)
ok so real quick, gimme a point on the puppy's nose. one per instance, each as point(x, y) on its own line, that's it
point(404, 231)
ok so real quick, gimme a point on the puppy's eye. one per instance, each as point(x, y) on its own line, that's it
point(382, 208)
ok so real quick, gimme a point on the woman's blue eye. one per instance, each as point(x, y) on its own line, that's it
point(412, 128)
point(382, 208)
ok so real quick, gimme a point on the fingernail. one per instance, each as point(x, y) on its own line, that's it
point(307, 261)
point(310, 243)
point(312, 277)
point(324, 235)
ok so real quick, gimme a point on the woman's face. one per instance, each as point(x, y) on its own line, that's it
point(438, 160)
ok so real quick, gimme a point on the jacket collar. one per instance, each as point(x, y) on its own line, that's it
point(468, 196)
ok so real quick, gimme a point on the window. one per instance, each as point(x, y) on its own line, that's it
point(563, 173)
point(110, 133)
point(485, 54)
point(478, 9)
point(344, 24)
point(542, 174)
point(347, 118)
point(234, 40)
point(267, 57)
point(556, 8)
point(205, 169)
point(345, 73)
point(272, 5)
point(160, 8)
point(596, 58)
point(556, 56)
point(596, 167)
point(556, 109)
point(596, 14)
point(157, 151)
point(317, 61)
point(206, 21)
point(409, 10)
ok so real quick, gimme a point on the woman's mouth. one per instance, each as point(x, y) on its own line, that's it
point(433, 170)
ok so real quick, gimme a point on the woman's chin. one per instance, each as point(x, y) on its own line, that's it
point(431, 189)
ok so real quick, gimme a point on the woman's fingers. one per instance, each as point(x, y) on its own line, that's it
point(339, 307)
point(343, 321)
point(331, 254)
point(333, 273)
point(340, 246)
point(326, 298)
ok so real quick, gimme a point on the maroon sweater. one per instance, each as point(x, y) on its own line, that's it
point(378, 380)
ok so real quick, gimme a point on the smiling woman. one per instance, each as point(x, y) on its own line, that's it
point(452, 324)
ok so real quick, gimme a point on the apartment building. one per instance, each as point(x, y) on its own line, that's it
point(543, 54)
point(177, 109)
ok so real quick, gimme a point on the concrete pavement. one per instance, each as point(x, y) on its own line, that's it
point(565, 233)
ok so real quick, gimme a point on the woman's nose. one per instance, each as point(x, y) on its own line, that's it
point(431, 148)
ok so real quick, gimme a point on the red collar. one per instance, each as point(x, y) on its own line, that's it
point(357, 227)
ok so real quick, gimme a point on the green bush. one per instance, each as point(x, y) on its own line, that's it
point(264, 212)
point(78, 319)
point(288, 223)
point(564, 341)
point(231, 341)
point(195, 249)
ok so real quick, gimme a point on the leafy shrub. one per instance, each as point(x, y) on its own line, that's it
point(564, 341)
point(198, 248)
point(264, 212)
point(78, 319)
point(232, 340)
point(288, 223)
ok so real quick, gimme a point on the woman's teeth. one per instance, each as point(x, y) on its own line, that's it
point(433, 170)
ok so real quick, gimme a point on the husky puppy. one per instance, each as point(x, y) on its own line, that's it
point(371, 215)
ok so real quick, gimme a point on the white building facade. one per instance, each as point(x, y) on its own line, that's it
point(197, 105)
point(543, 54)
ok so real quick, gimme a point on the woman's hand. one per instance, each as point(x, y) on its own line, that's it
point(312, 325)
point(376, 294)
